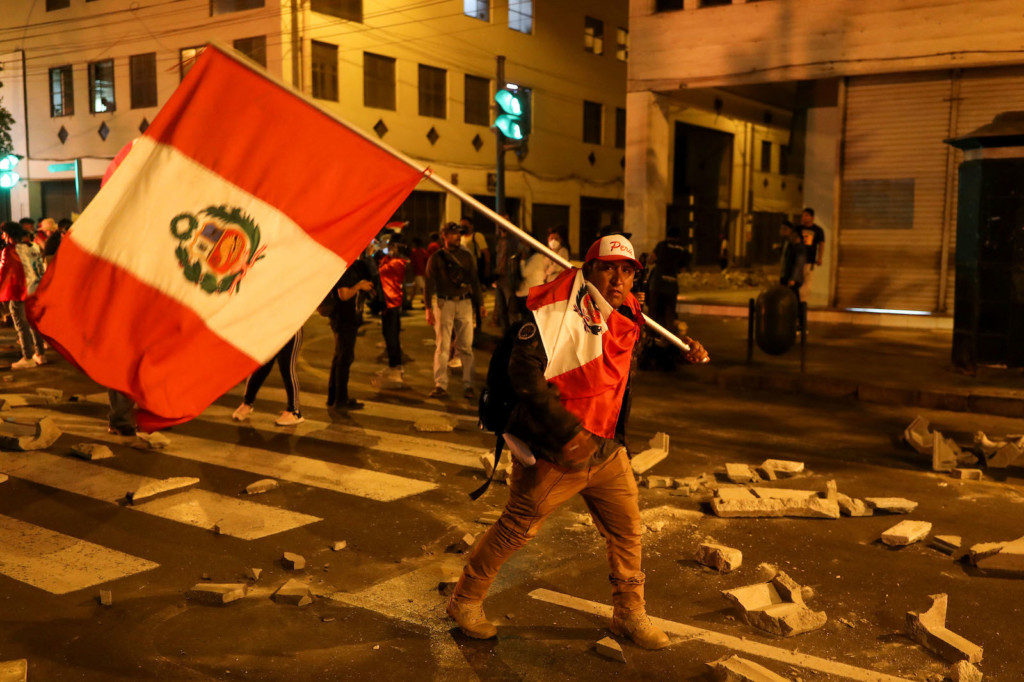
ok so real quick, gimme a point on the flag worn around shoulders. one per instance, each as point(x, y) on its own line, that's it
point(589, 347)
point(218, 235)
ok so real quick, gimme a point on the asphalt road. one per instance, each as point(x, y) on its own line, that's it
point(398, 498)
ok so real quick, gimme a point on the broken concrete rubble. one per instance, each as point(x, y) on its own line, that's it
point(293, 592)
point(738, 502)
point(158, 488)
point(261, 486)
point(741, 473)
point(736, 669)
point(919, 436)
point(967, 474)
point(657, 451)
point(504, 465)
point(906, 533)
point(434, 424)
point(447, 586)
point(777, 607)
point(105, 598)
point(22, 435)
point(999, 558)
point(14, 671)
point(91, 451)
point(944, 453)
point(610, 649)
point(216, 594)
point(3, 478)
point(929, 630)
point(963, 671)
point(850, 506)
point(9, 400)
point(1008, 454)
point(254, 573)
point(719, 557)
point(463, 544)
point(339, 545)
point(489, 518)
point(782, 468)
point(154, 441)
point(659, 482)
point(891, 505)
point(293, 562)
point(947, 544)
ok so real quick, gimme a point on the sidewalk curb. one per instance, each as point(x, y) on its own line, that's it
point(953, 400)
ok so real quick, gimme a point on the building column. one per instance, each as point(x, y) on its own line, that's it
point(647, 169)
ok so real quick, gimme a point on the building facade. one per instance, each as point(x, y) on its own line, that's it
point(84, 77)
point(854, 98)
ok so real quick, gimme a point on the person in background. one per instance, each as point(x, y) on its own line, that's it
point(53, 242)
point(435, 243)
point(391, 266)
point(418, 260)
point(344, 321)
point(285, 359)
point(46, 227)
point(814, 240)
point(793, 259)
point(21, 267)
point(532, 267)
point(557, 243)
point(476, 244)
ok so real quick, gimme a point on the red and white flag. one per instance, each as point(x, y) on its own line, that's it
point(589, 347)
point(219, 234)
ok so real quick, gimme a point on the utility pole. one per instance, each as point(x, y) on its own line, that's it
point(499, 175)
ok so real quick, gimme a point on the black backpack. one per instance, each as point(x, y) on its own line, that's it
point(498, 399)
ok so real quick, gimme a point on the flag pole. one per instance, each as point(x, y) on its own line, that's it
point(429, 174)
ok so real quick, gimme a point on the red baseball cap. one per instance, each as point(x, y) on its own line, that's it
point(612, 247)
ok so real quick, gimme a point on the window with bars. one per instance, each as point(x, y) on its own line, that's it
point(142, 75)
point(433, 88)
point(187, 58)
point(622, 44)
point(101, 87)
point(351, 10)
point(520, 15)
point(255, 48)
point(478, 101)
point(229, 6)
point(478, 9)
point(593, 35)
point(325, 71)
point(592, 115)
point(620, 128)
point(62, 92)
point(378, 81)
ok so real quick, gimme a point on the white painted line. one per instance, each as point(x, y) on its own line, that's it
point(315, 473)
point(199, 508)
point(60, 563)
point(735, 643)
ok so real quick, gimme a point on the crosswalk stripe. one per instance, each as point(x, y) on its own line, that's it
point(315, 473)
point(201, 508)
point(60, 563)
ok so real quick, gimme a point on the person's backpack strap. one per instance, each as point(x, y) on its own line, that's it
point(499, 444)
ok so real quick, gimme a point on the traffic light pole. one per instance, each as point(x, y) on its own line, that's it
point(499, 166)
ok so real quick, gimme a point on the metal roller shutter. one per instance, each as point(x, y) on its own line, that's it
point(893, 191)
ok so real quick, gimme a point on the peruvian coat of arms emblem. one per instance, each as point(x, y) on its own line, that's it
point(217, 247)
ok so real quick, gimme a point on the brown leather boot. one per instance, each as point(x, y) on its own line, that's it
point(470, 618)
point(638, 627)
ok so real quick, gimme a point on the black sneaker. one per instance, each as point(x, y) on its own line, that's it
point(469, 392)
point(351, 404)
point(438, 392)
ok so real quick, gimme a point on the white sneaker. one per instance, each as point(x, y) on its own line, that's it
point(242, 413)
point(289, 419)
point(24, 363)
point(455, 363)
point(39, 359)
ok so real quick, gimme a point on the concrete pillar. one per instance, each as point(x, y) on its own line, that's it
point(647, 169)
point(821, 168)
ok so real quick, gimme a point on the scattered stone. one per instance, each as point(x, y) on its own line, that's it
point(919, 436)
point(782, 493)
point(655, 526)
point(1007, 455)
point(737, 502)
point(28, 434)
point(929, 630)
point(843, 621)
point(216, 594)
point(54, 394)
point(964, 671)
point(966, 459)
point(783, 468)
point(891, 505)
point(155, 440)
point(1000, 558)
point(490, 518)
point(741, 473)
point(254, 573)
point(158, 488)
point(204, 576)
point(967, 474)
point(462, 544)
point(610, 649)
point(944, 453)
point(293, 562)
point(9, 400)
point(986, 446)
point(694, 483)
point(327, 619)
point(14, 671)
point(504, 465)
point(777, 607)
point(293, 592)
point(658, 441)
point(261, 486)
point(657, 450)
point(91, 451)
point(736, 669)
point(435, 424)
point(947, 544)
point(850, 506)
point(105, 598)
point(339, 545)
point(659, 482)
point(447, 586)
point(765, 571)
point(906, 533)
point(719, 557)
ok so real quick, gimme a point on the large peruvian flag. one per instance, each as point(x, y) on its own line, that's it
point(589, 347)
point(218, 235)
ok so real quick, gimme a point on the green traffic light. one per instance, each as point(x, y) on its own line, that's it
point(509, 102)
point(509, 126)
point(8, 178)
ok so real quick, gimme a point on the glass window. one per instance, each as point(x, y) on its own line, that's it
point(520, 15)
point(187, 58)
point(592, 114)
point(342, 9)
point(478, 100)
point(667, 5)
point(478, 9)
point(378, 81)
point(254, 48)
point(101, 87)
point(325, 71)
point(433, 92)
point(228, 6)
point(142, 74)
point(714, 3)
point(766, 156)
point(622, 44)
point(62, 92)
point(52, 5)
point(620, 128)
point(593, 35)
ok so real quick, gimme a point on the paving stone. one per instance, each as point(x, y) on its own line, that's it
point(782, 493)
point(489, 518)
point(1008, 559)
point(91, 451)
point(1008, 454)
point(339, 545)
point(105, 598)
point(655, 526)
point(659, 441)
point(14, 671)
point(906, 533)
point(776, 607)
point(919, 436)
point(22, 435)
point(944, 453)
point(293, 562)
point(504, 464)
point(850, 506)
point(647, 459)
point(216, 594)
point(783, 468)
point(736, 669)
point(987, 446)
point(438, 424)
point(447, 586)
point(464, 543)
point(254, 573)
point(719, 557)
point(294, 592)
point(967, 474)
point(964, 671)
point(738, 505)
point(947, 544)
point(9, 400)
point(891, 505)
point(159, 488)
point(929, 630)
point(659, 482)
point(261, 486)
point(610, 649)
point(154, 441)
point(741, 473)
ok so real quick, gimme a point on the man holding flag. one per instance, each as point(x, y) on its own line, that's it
point(570, 371)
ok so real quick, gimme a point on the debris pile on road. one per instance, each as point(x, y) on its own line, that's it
point(945, 452)
point(746, 502)
point(929, 629)
point(504, 465)
point(964, 671)
point(28, 434)
point(462, 544)
point(610, 649)
point(719, 557)
point(736, 669)
point(91, 451)
point(657, 450)
point(777, 607)
point(906, 533)
point(216, 594)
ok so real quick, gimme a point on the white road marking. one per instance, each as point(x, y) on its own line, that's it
point(60, 563)
point(200, 508)
point(297, 469)
point(735, 643)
